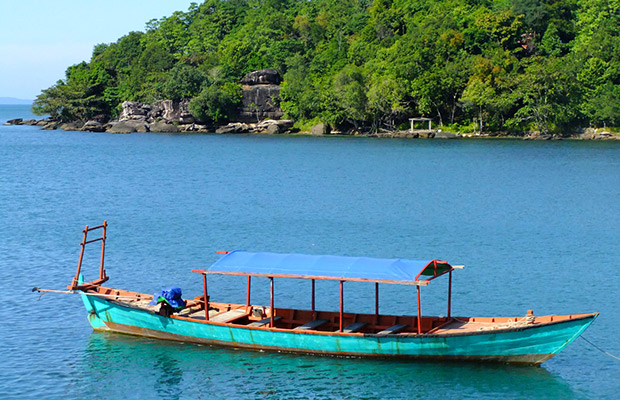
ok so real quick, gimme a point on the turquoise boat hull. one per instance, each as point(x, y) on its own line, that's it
point(530, 344)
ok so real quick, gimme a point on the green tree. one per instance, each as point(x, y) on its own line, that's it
point(216, 103)
point(603, 105)
point(345, 98)
point(300, 97)
point(80, 97)
point(546, 89)
point(182, 82)
point(386, 102)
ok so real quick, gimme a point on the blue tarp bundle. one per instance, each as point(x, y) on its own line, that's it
point(395, 270)
point(171, 295)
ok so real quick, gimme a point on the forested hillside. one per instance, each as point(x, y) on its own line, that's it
point(517, 65)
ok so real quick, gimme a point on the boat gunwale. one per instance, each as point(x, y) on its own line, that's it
point(399, 335)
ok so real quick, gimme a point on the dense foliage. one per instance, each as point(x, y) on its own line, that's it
point(514, 65)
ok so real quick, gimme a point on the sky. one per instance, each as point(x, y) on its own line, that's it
point(39, 39)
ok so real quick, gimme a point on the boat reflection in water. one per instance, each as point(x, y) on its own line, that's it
point(111, 363)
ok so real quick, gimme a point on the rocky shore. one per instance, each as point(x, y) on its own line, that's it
point(139, 117)
point(258, 113)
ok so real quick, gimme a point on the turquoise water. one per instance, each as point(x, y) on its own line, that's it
point(535, 223)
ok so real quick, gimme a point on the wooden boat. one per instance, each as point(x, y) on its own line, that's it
point(527, 340)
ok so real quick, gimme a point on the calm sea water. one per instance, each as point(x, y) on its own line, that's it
point(536, 224)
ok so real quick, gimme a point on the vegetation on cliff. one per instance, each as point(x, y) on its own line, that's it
point(515, 65)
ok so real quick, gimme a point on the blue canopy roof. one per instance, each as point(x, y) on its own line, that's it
point(386, 270)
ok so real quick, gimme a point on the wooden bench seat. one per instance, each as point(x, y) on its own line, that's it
point(264, 321)
point(354, 327)
point(228, 316)
point(188, 312)
point(311, 325)
point(393, 330)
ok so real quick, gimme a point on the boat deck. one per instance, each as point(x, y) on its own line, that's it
point(465, 325)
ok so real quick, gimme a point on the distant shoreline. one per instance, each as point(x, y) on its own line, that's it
point(13, 101)
point(600, 134)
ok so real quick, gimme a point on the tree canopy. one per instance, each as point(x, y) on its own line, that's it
point(508, 65)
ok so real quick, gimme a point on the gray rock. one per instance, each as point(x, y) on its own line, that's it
point(142, 127)
point(225, 129)
point(320, 129)
point(404, 134)
point(50, 126)
point(285, 124)
point(124, 126)
point(425, 134)
point(194, 128)
point(120, 128)
point(168, 110)
point(43, 122)
point(93, 126)
point(201, 128)
point(71, 126)
point(128, 126)
point(156, 112)
point(30, 122)
point(134, 110)
point(536, 135)
point(445, 135)
point(596, 134)
point(162, 126)
point(260, 102)
point(233, 127)
point(270, 125)
point(263, 76)
point(171, 111)
point(273, 129)
point(16, 121)
point(603, 136)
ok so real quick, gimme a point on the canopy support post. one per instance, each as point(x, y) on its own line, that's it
point(313, 303)
point(206, 296)
point(449, 292)
point(419, 313)
point(247, 299)
point(341, 303)
point(376, 302)
point(271, 304)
